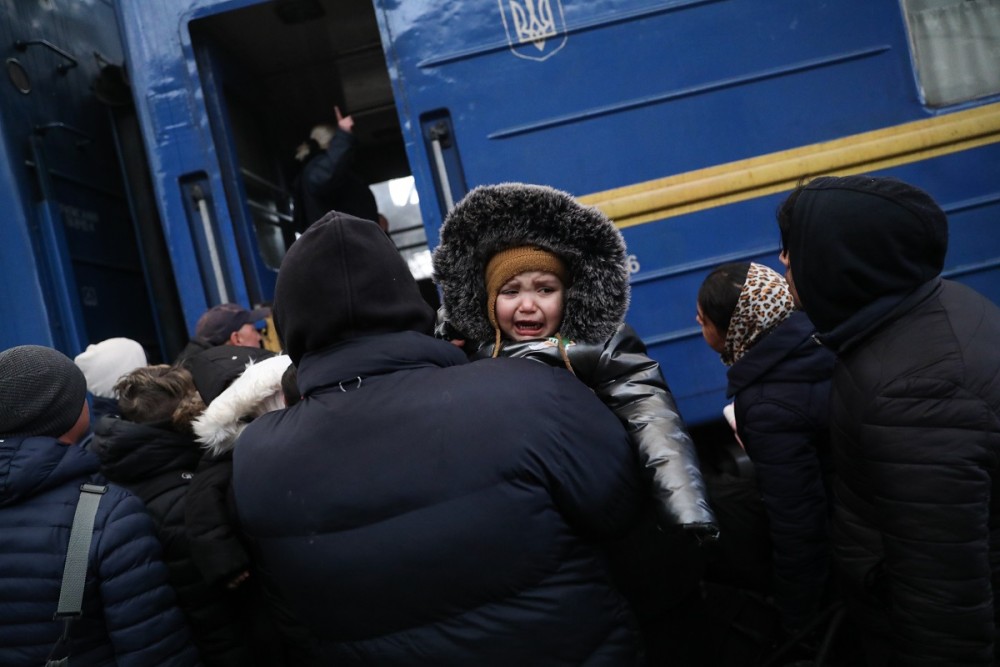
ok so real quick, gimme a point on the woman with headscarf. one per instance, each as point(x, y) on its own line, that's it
point(780, 379)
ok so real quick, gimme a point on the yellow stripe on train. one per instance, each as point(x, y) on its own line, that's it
point(781, 171)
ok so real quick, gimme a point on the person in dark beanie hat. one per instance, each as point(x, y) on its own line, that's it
point(414, 508)
point(41, 391)
point(127, 606)
point(915, 416)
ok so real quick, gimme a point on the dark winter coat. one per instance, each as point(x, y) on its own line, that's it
point(210, 512)
point(605, 354)
point(915, 417)
point(414, 508)
point(210, 518)
point(782, 390)
point(193, 347)
point(130, 616)
point(217, 544)
point(327, 182)
point(157, 464)
point(454, 533)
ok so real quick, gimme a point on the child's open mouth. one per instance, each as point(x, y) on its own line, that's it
point(527, 328)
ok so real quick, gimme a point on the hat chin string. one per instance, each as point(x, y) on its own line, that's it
point(496, 344)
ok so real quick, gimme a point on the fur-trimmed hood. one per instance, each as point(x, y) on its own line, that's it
point(492, 218)
point(255, 392)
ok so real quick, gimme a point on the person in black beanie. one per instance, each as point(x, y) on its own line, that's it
point(915, 417)
point(128, 607)
point(414, 508)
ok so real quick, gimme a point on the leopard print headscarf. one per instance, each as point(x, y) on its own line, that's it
point(763, 304)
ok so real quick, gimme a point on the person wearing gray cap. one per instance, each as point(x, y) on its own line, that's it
point(129, 615)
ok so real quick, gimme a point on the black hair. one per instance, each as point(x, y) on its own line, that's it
point(720, 291)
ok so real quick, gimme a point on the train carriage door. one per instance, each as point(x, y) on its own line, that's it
point(72, 267)
point(230, 96)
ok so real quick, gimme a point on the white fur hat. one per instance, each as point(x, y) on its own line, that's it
point(255, 392)
point(105, 362)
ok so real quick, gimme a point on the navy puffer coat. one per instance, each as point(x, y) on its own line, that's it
point(782, 391)
point(130, 616)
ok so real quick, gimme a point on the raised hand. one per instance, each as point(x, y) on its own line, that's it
point(345, 123)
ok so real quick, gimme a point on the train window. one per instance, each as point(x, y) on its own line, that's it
point(954, 46)
point(398, 201)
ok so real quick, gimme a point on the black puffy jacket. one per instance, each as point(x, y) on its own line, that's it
point(629, 382)
point(156, 464)
point(406, 520)
point(915, 417)
point(782, 391)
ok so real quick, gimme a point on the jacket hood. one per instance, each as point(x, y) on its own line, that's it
point(33, 465)
point(857, 239)
point(131, 452)
point(216, 368)
point(256, 391)
point(492, 218)
point(344, 279)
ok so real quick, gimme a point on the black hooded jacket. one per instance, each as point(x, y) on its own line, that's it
point(156, 464)
point(606, 354)
point(915, 416)
point(416, 509)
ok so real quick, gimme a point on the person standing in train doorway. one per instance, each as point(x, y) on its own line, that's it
point(327, 180)
point(914, 417)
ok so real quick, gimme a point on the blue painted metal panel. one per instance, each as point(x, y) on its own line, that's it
point(628, 91)
point(632, 91)
point(641, 90)
point(60, 185)
point(176, 126)
point(23, 308)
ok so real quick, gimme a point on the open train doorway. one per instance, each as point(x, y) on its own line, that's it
point(272, 71)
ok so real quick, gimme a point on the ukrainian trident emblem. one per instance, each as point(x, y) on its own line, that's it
point(535, 29)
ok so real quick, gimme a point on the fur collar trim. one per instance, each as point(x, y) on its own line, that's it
point(492, 218)
point(255, 392)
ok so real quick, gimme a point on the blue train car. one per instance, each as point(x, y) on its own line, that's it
point(685, 120)
point(72, 248)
